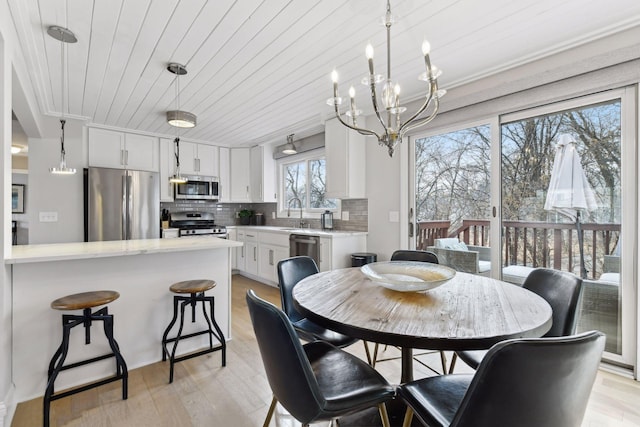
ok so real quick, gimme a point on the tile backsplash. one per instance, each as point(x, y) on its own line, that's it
point(225, 213)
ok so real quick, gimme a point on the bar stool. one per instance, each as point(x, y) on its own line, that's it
point(84, 301)
point(196, 290)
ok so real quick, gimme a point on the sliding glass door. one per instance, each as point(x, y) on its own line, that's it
point(550, 187)
point(567, 198)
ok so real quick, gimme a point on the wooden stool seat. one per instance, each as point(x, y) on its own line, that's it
point(192, 286)
point(84, 300)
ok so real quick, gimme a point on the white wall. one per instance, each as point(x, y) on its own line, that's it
point(383, 192)
point(5, 212)
point(56, 193)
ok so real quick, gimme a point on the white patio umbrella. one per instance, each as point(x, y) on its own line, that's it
point(569, 191)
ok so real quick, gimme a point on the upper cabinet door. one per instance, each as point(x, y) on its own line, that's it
point(121, 150)
point(345, 154)
point(198, 159)
point(240, 174)
point(141, 152)
point(208, 160)
point(263, 175)
point(224, 184)
point(167, 169)
point(106, 148)
point(188, 158)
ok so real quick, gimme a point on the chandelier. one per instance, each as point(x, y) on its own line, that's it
point(389, 116)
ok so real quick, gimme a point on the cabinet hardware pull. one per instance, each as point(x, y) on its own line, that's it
point(270, 256)
point(254, 253)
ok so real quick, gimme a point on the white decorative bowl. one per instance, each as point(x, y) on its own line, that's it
point(408, 276)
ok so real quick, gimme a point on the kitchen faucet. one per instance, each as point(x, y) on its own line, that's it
point(293, 199)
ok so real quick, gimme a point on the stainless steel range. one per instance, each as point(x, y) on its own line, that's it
point(197, 224)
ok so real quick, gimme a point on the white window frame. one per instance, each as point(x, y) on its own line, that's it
point(311, 213)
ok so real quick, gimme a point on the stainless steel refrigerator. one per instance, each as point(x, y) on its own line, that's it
point(121, 204)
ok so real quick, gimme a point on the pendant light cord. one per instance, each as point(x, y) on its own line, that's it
point(62, 120)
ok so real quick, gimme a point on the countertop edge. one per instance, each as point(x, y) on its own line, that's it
point(290, 230)
point(92, 250)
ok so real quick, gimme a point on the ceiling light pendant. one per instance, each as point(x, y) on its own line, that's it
point(177, 117)
point(177, 178)
point(394, 128)
point(64, 35)
point(290, 148)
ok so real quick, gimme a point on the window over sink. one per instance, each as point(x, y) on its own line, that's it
point(302, 182)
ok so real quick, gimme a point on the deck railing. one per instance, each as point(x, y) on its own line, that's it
point(532, 243)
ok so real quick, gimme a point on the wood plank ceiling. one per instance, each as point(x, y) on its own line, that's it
point(260, 69)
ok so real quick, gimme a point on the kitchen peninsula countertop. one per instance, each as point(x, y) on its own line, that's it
point(293, 230)
point(85, 250)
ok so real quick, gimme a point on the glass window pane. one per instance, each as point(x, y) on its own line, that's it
point(567, 215)
point(453, 185)
point(317, 186)
point(295, 184)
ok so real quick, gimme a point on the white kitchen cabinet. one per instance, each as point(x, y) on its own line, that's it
point(251, 252)
point(272, 248)
point(224, 179)
point(167, 169)
point(232, 234)
point(269, 256)
point(345, 157)
point(241, 252)
point(121, 150)
point(325, 254)
point(240, 174)
point(263, 175)
point(198, 159)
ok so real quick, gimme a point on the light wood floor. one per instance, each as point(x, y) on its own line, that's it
point(205, 394)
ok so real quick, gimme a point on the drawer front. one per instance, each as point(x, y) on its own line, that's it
point(278, 239)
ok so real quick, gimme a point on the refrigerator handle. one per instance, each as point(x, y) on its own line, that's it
point(129, 205)
point(123, 211)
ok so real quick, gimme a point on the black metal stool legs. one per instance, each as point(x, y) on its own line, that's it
point(56, 365)
point(192, 300)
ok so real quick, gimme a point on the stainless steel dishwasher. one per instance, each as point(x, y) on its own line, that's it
point(304, 244)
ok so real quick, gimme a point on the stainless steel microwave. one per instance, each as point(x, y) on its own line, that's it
point(197, 188)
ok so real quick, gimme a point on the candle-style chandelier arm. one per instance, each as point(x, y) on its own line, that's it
point(374, 100)
point(356, 128)
point(431, 97)
point(421, 122)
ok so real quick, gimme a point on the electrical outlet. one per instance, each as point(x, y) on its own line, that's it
point(48, 216)
point(345, 215)
point(273, 215)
